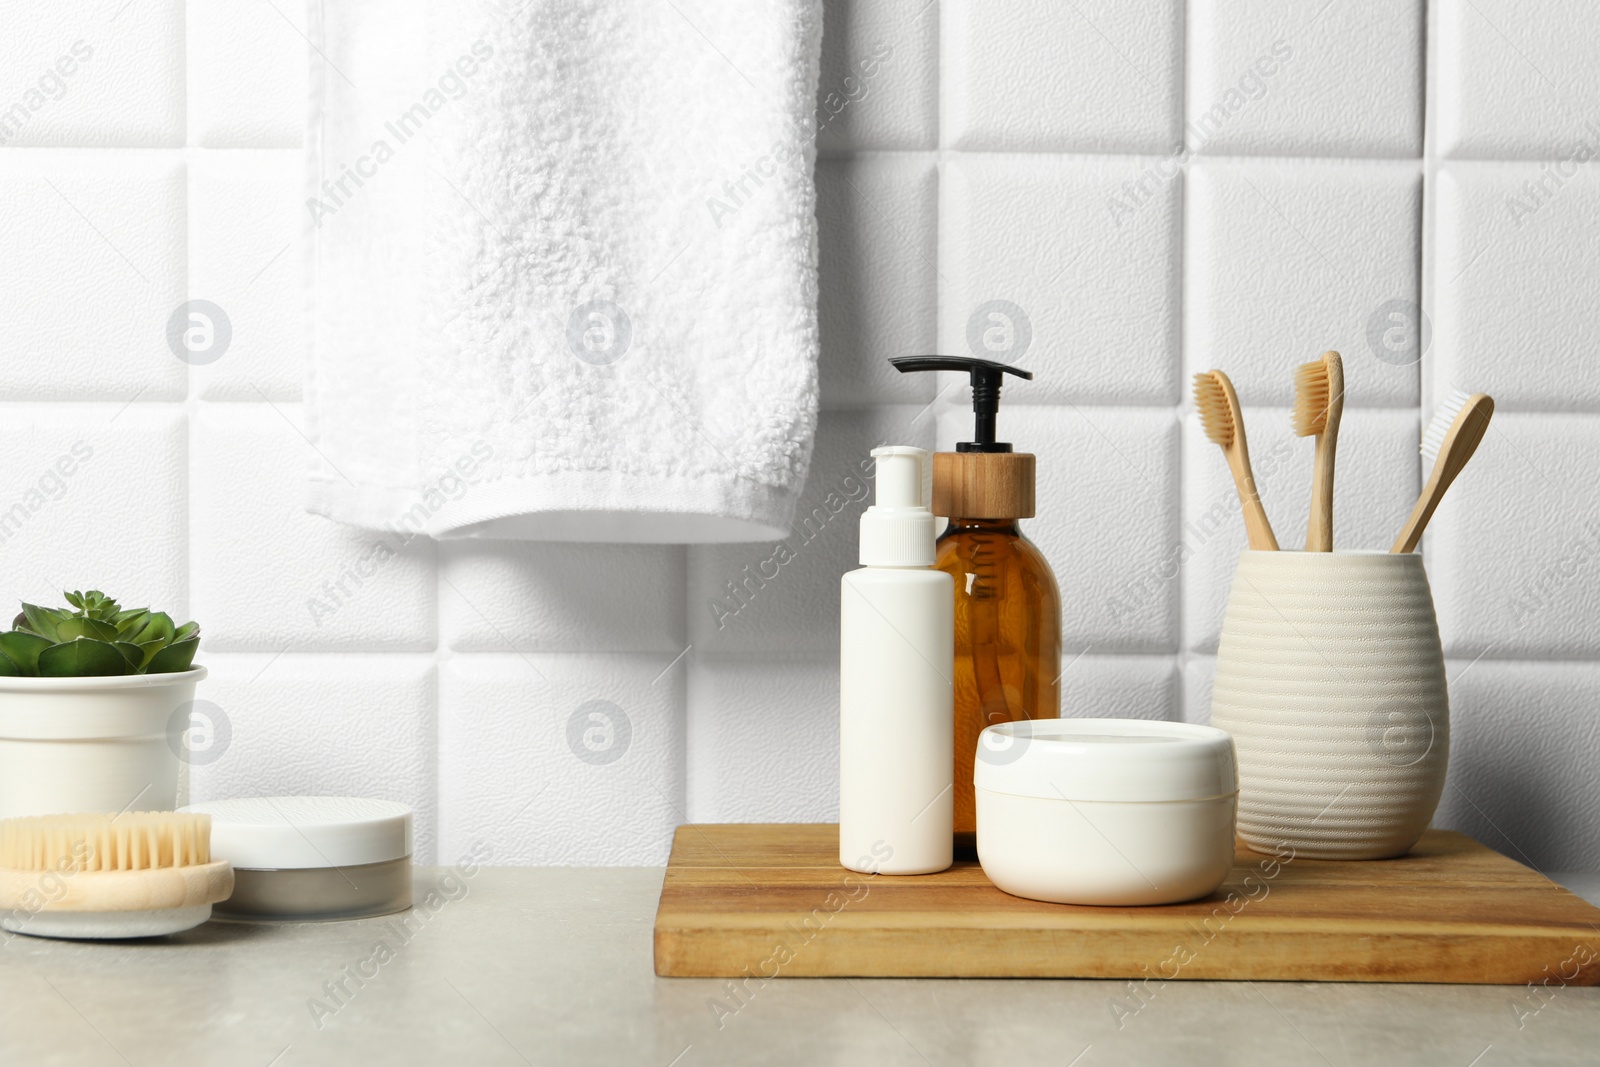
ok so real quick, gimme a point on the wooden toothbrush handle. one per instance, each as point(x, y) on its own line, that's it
point(1427, 503)
point(1257, 529)
point(1319, 525)
point(1459, 444)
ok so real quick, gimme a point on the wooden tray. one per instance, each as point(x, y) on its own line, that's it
point(771, 899)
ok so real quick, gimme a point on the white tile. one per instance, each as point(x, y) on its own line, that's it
point(1285, 260)
point(93, 496)
point(1514, 550)
point(1068, 268)
point(1035, 76)
point(110, 76)
point(1514, 79)
point(245, 218)
point(1515, 249)
point(1198, 674)
point(504, 596)
point(94, 270)
point(322, 725)
point(267, 575)
point(1106, 518)
point(763, 597)
point(764, 738)
point(1118, 687)
point(879, 83)
point(1377, 478)
point(565, 760)
point(1305, 79)
point(247, 74)
point(877, 219)
point(1523, 738)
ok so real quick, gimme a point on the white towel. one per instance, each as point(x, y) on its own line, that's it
point(563, 266)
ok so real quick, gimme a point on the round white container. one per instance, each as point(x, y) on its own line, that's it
point(1331, 680)
point(90, 744)
point(1105, 811)
point(299, 859)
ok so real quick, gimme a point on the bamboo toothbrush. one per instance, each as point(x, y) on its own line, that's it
point(95, 877)
point(1318, 403)
point(1224, 425)
point(1450, 440)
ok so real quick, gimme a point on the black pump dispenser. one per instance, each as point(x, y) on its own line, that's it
point(986, 378)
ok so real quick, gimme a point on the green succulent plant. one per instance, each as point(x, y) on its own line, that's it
point(95, 637)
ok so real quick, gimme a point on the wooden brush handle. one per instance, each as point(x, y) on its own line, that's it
point(1470, 424)
point(1258, 531)
point(155, 889)
point(1319, 525)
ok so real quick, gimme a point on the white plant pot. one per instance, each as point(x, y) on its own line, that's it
point(91, 744)
point(1331, 679)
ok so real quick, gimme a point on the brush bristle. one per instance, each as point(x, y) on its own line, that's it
point(1444, 416)
point(1311, 398)
point(132, 841)
point(1211, 400)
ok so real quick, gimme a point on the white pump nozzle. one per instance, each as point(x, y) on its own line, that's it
point(899, 472)
point(898, 529)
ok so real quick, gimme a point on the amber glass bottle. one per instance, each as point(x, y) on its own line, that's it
point(1007, 609)
point(1008, 640)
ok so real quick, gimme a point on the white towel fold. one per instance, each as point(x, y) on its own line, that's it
point(563, 266)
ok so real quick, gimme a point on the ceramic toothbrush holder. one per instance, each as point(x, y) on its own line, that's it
point(1330, 677)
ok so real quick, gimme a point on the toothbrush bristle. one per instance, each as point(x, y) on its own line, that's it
point(1211, 400)
point(1444, 416)
point(1311, 398)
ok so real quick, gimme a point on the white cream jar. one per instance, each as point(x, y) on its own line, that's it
point(307, 859)
point(1105, 811)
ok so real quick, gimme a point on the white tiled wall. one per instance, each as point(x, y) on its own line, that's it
point(1137, 189)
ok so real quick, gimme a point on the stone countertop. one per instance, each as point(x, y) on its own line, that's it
point(553, 965)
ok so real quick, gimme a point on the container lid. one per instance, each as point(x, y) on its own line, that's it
point(1120, 760)
point(277, 833)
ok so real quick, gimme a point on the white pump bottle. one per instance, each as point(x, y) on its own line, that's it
point(896, 718)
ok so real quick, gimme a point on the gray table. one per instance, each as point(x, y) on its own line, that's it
point(549, 965)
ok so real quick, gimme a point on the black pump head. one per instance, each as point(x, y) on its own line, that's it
point(986, 379)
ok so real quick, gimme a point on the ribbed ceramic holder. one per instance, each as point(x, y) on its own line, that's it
point(1331, 679)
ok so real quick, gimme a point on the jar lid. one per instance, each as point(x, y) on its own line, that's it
point(1122, 760)
point(279, 833)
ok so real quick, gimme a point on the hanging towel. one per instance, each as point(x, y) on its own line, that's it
point(563, 266)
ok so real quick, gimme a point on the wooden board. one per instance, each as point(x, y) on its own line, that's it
point(771, 899)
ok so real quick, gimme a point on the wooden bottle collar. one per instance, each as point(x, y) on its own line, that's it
point(983, 485)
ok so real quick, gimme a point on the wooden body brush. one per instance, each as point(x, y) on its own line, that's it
point(1449, 441)
point(93, 877)
point(1224, 425)
point(1318, 403)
